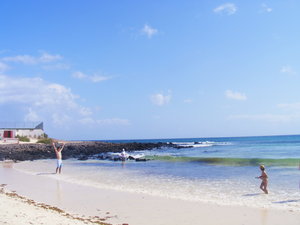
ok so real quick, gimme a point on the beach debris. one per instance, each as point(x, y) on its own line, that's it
point(88, 220)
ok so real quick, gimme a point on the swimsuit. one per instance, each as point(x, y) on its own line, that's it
point(59, 163)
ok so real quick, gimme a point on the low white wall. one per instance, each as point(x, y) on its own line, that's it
point(32, 133)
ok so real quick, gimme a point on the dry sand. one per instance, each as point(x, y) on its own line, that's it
point(118, 207)
point(17, 210)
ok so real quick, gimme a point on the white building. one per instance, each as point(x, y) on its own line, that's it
point(9, 131)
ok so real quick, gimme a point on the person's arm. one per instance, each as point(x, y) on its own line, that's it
point(55, 149)
point(63, 147)
point(260, 177)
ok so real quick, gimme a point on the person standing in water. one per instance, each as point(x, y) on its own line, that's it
point(58, 156)
point(264, 179)
point(123, 155)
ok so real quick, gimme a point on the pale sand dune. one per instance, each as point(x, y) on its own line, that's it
point(119, 207)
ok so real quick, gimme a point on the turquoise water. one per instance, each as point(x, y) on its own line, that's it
point(218, 170)
point(242, 151)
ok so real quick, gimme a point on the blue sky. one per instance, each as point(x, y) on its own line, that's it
point(151, 69)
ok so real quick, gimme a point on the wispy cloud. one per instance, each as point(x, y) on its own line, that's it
point(289, 106)
point(95, 78)
point(25, 59)
point(292, 115)
point(32, 60)
point(32, 116)
point(272, 118)
point(266, 8)
point(287, 70)
point(160, 99)
point(46, 58)
point(149, 31)
point(105, 122)
point(235, 95)
point(227, 8)
point(188, 100)
point(56, 66)
point(3, 67)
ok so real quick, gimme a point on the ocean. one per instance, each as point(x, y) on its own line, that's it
point(214, 170)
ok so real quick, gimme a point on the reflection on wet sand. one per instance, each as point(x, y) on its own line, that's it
point(7, 164)
point(264, 216)
point(58, 192)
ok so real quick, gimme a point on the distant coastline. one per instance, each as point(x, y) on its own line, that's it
point(73, 149)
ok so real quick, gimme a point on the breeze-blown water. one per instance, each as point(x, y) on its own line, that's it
point(217, 170)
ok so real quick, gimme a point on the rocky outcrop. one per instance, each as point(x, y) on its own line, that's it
point(78, 150)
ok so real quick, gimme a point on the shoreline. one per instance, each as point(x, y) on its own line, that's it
point(136, 208)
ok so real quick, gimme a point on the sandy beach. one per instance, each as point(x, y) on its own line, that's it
point(59, 202)
point(15, 210)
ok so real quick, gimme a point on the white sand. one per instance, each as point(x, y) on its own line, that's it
point(122, 207)
point(14, 211)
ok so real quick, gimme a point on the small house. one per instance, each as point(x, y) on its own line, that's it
point(10, 130)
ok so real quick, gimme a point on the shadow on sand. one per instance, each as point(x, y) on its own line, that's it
point(287, 201)
point(253, 194)
point(45, 174)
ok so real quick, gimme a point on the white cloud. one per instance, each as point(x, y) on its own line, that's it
point(51, 101)
point(228, 8)
point(95, 78)
point(43, 99)
point(287, 70)
point(3, 67)
point(235, 95)
point(84, 111)
point(61, 118)
point(266, 8)
point(160, 99)
point(25, 59)
point(31, 60)
point(32, 116)
point(149, 31)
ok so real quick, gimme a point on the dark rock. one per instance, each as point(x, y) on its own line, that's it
point(79, 150)
point(83, 157)
point(141, 160)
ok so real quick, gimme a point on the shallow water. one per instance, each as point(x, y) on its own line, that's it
point(217, 170)
point(223, 185)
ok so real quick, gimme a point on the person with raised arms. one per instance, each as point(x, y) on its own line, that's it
point(58, 151)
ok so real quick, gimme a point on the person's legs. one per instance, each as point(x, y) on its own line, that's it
point(262, 186)
point(59, 165)
point(265, 187)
